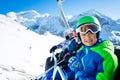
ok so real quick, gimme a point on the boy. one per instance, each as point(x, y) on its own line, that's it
point(95, 60)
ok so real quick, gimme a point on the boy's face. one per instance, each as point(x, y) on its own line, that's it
point(89, 38)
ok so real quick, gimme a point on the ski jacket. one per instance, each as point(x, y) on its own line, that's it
point(99, 62)
point(67, 46)
point(70, 45)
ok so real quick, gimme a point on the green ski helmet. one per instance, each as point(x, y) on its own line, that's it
point(89, 19)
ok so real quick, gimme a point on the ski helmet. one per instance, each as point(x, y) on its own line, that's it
point(89, 20)
point(68, 33)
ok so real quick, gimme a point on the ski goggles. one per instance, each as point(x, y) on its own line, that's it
point(88, 27)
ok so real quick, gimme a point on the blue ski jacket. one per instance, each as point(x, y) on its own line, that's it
point(98, 61)
point(70, 45)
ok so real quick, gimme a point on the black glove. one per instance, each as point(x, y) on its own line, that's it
point(67, 56)
point(65, 50)
point(58, 56)
point(53, 49)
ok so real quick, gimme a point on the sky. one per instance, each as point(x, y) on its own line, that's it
point(71, 7)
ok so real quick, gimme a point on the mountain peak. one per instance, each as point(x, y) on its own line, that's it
point(40, 23)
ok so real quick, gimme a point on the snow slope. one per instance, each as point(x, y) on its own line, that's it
point(22, 52)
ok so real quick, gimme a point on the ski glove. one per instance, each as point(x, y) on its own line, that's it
point(74, 64)
point(67, 56)
point(58, 56)
point(53, 49)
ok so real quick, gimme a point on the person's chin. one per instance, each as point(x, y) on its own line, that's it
point(88, 44)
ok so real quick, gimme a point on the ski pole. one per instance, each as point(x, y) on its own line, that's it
point(48, 70)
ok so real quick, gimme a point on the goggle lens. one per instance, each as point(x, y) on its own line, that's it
point(88, 27)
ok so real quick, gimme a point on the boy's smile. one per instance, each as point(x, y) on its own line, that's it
point(88, 39)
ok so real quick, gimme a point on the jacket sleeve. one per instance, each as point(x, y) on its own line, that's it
point(110, 62)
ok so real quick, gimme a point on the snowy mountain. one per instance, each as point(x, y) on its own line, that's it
point(22, 51)
point(40, 23)
point(118, 21)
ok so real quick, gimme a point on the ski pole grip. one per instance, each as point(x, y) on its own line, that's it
point(54, 57)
